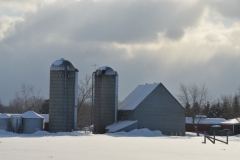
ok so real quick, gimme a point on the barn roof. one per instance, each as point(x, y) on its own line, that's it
point(137, 96)
point(231, 121)
point(214, 120)
point(119, 125)
point(204, 120)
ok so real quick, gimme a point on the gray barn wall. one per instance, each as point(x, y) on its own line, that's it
point(57, 122)
point(160, 111)
point(104, 102)
point(126, 115)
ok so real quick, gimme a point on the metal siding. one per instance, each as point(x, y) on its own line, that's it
point(160, 111)
point(5, 124)
point(56, 101)
point(76, 101)
point(31, 125)
point(104, 102)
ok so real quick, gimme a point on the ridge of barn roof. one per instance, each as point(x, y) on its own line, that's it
point(137, 96)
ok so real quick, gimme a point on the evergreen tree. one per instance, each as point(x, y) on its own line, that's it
point(206, 109)
point(188, 110)
point(196, 109)
point(45, 107)
point(226, 109)
point(235, 107)
point(215, 111)
point(1, 107)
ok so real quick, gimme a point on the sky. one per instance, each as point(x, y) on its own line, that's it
point(167, 41)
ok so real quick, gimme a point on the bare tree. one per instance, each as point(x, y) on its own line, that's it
point(84, 116)
point(193, 98)
point(193, 94)
point(15, 106)
point(26, 99)
point(85, 95)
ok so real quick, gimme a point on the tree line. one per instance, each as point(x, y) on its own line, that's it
point(197, 102)
point(24, 100)
point(27, 98)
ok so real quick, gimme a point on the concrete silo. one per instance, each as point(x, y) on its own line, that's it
point(63, 98)
point(105, 98)
point(5, 123)
point(32, 122)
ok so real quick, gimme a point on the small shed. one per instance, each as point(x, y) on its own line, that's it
point(32, 122)
point(5, 123)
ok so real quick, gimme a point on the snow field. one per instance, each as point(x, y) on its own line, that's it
point(140, 145)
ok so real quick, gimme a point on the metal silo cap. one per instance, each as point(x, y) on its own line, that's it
point(63, 64)
point(105, 70)
point(31, 114)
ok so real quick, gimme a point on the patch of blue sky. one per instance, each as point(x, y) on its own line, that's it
point(10, 12)
point(217, 18)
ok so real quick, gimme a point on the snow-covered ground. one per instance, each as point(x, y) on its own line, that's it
point(138, 144)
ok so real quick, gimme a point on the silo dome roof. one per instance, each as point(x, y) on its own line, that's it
point(4, 115)
point(63, 64)
point(31, 114)
point(105, 70)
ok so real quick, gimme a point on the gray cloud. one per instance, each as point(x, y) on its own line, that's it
point(122, 22)
point(175, 33)
point(229, 9)
point(87, 32)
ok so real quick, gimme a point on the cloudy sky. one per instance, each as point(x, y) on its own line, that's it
point(168, 41)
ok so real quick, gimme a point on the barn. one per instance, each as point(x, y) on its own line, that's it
point(150, 106)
